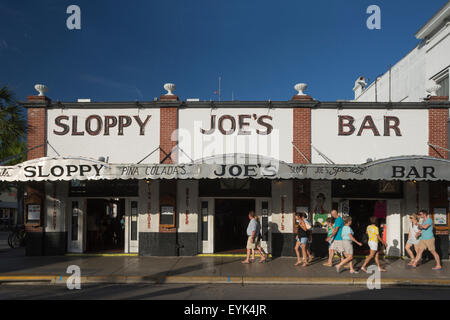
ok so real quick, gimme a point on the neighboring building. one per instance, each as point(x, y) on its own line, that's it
point(416, 75)
point(171, 177)
point(8, 207)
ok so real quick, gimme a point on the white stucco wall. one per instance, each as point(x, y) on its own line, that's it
point(282, 222)
point(190, 224)
point(148, 206)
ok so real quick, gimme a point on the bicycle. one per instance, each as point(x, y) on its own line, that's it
point(17, 236)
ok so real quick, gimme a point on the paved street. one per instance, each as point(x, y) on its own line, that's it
point(217, 291)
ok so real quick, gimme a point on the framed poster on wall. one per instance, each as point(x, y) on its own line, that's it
point(440, 217)
point(167, 216)
point(33, 213)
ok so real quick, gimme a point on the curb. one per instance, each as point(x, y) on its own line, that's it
point(60, 280)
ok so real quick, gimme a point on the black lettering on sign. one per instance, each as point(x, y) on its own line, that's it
point(243, 124)
point(142, 124)
point(268, 126)
point(212, 128)
point(124, 121)
point(110, 122)
point(232, 122)
point(368, 124)
point(349, 124)
point(413, 173)
point(428, 172)
point(59, 123)
point(391, 123)
point(398, 172)
point(98, 127)
point(75, 131)
point(30, 171)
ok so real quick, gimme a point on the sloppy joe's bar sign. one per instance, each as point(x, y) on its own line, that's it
point(399, 168)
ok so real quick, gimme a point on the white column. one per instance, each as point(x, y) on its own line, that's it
point(148, 206)
point(394, 225)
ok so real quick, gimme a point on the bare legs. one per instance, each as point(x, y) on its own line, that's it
point(348, 259)
point(419, 256)
point(410, 253)
point(297, 252)
point(372, 254)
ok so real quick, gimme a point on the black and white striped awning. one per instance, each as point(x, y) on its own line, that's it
point(405, 168)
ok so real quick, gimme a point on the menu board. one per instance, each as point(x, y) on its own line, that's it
point(33, 213)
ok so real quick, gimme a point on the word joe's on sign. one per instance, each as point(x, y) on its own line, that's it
point(241, 123)
point(98, 125)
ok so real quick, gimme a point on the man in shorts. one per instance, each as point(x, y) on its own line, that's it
point(251, 234)
point(426, 240)
point(337, 245)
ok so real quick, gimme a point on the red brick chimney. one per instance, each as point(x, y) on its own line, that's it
point(37, 114)
point(302, 126)
point(437, 128)
point(168, 123)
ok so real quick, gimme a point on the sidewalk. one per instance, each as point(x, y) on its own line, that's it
point(15, 267)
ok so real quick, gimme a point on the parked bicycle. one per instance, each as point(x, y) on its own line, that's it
point(17, 236)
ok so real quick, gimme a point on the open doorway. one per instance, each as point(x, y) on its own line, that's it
point(230, 224)
point(105, 225)
point(361, 211)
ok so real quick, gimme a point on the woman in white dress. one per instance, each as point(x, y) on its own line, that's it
point(413, 240)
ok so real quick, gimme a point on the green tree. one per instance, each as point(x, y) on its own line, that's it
point(12, 129)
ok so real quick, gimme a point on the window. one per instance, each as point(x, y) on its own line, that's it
point(443, 82)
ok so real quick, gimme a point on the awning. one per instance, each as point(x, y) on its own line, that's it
point(406, 168)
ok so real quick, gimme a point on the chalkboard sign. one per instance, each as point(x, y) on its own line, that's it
point(167, 215)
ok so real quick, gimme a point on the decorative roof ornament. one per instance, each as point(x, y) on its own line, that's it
point(300, 87)
point(41, 88)
point(170, 87)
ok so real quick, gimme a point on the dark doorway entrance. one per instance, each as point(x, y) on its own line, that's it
point(105, 225)
point(361, 211)
point(230, 224)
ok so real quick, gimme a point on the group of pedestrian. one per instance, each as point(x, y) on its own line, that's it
point(340, 238)
point(421, 238)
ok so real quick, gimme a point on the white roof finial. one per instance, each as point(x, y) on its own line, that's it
point(41, 88)
point(170, 87)
point(300, 87)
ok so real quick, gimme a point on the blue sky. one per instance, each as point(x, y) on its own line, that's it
point(127, 50)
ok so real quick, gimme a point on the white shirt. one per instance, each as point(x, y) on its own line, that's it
point(413, 230)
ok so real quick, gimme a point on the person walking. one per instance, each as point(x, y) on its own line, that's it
point(251, 235)
point(426, 240)
point(347, 241)
point(309, 232)
point(262, 254)
point(336, 235)
point(302, 239)
point(413, 239)
point(330, 222)
point(374, 237)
